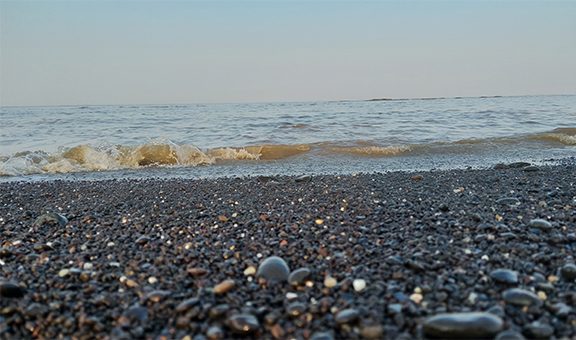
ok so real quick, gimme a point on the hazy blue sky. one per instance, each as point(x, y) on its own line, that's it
point(109, 52)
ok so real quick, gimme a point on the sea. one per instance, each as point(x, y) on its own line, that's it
point(97, 142)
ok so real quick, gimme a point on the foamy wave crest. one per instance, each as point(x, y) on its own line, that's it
point(566, 136)
point(371, 150)
point(158, 153)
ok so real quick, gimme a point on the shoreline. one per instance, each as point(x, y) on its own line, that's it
point(385, 252)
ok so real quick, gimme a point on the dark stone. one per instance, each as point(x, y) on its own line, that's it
point(347, 316)
point(568, 271)
point(303, 178)
point(11, 290)
point(299, 276)
point(142, 240)
point(504, 276)
point(521, 297)
point(531, 168)
point(296, 309)
point(187, 304)
point(243, 324)
point(508, 201)
point(463, 325)
point(540, 224)
point(517, 165)
point(51, 219)
point(538, 330)
point(215, 333)
point(273, 268)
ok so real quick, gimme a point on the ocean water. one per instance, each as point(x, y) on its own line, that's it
point(204, 140)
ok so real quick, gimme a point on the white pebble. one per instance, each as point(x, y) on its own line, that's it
point(330, 282)
point(152, 280)
point(63, 272)
point(291, 296)
point(359, 285)
point(88, 266)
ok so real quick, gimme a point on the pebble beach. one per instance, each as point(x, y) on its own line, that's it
point(471, 253)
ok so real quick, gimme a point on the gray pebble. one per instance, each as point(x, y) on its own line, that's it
point(298, 276)
point(349, 315)
point(540, 224)
point(568, 271)
point(504, 276)
point(273, 268)
point(463, 325)
point(51, 219)
point(538, 330)
point(11, 290)
point(521, 297)
point(243, 323)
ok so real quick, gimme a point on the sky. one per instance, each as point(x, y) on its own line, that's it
point(160, 52)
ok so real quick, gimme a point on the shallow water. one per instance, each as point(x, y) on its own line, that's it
point(203, 140)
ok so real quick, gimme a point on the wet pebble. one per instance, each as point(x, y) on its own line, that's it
point(299, 276)
point(372, 331)
point(11, 290)
point(540, 224)
point(243, 323)
point(347, 316)
point(463, 325)
point(142, 240)
point(521, 297)
point(273, 268)
point(538, 330)
point(504, 276)
point(359, 285)
point(568, 271)
point(508, 201)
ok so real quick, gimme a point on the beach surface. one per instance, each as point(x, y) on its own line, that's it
point(391, 255)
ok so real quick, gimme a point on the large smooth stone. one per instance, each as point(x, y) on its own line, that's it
point(521, 297)
point(504, 276)
point(568, 271)
point(463, 325)
point(273, 268)
point(11, 290)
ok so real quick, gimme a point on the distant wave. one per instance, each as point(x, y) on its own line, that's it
point(85, 157)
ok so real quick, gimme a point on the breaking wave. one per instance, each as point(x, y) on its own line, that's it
point(86, 157)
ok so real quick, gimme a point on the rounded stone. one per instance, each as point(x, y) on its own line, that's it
point(11, 290)
point(224, 286)
point(187, 304)
point(51, 219)
point(508, 201)
point(273, 268)
point(322, 336)
point(296, 309)
point(521, 297)
point(509, 335)
point(463, 325)
point(347, 316)
point(568, 271)
point(504, 276)
point(540, 224)
point(538, 330)
point(243, 323)
point(215, 333)
point(298, 276)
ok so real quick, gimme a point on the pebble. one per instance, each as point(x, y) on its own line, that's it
point(349, 315)
point(372, 332)
point(509, 335)
point(250, 271)
point(197, 271)
point(63, 272)
point(215, 333)
point(322, 336)
point(187, 304)
point(157, 295)
point(416, 298)
point(303, 178)
point(142, 240)
point(243, 324)
point(11, 290)
point(330, 282)
point(299, 276)
point(508, 201)
point(521, 297)
point(224, 286)
point(273, 268)
point(51, 219)
point(504, 276)
point(568, 271)
point(359, 284)
point(538, 330)
point(540, 224)
point(463, 325)
point(296, 309)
